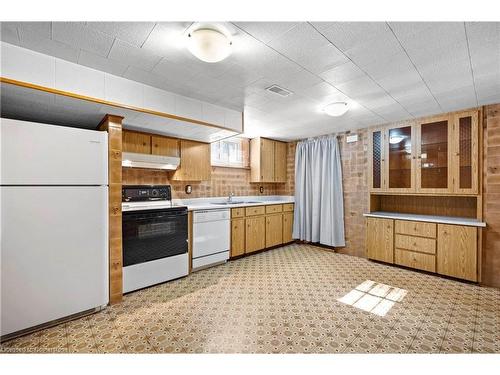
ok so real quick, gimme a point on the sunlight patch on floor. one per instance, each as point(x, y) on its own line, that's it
point(373, 297)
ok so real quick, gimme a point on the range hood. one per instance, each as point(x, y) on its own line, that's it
point(132, 159)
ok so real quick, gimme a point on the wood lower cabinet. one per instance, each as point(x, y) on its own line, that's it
point(457, 251)
point(255, 234)
point(274, 230)
point(237, 237)
point(380, 239)
point(287, 227)
point(446, 249)
point(256, 228)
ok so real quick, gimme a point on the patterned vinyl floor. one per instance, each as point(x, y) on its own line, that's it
point(286, 301)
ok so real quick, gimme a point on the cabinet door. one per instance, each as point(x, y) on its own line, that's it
point(287, 227)
point(164, 146)
point(465, 156)
point(380, 239)
point(376, 160)
point(255, 234)
point(280, 161)
point(433, 156)
point(136, 142)
point(195, 161)
point(274, 230)
point(266, 160)
point(400, 164)
point(237, 237)
point(457, 251)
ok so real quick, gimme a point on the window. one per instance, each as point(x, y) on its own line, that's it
point(232, 152)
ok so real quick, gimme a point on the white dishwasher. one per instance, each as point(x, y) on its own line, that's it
point(211, 237)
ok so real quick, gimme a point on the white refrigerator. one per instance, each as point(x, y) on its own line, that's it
point(54, 223)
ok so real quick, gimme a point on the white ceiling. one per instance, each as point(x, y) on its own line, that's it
point(390, 71)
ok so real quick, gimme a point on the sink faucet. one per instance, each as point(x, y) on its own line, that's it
point(230, 197)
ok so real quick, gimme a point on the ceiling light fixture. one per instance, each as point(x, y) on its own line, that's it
point(336, 109)
point(209, 45)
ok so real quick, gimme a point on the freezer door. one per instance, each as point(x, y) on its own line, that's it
point(41, 154)
point(54, 258)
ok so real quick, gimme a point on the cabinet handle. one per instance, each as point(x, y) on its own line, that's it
point(415, 244)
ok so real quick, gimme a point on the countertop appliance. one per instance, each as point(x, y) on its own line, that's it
point(155, 237)
point(211, 237)
point(54, 223)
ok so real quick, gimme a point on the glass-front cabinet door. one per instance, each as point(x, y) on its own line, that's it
point(434, 162)
point(400, 164)
point(376, 160)
point(465, 153)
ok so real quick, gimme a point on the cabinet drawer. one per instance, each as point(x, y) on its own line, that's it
point(416, 228)
point(288, 207)
point(274, 208)
point(424, 245)
point(252, 211)
point(426, 262)
point(237, 212)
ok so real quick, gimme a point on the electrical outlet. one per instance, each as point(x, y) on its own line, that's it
point(188, 189)
point(261, 189)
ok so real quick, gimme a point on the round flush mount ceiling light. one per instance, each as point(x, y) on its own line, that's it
point(336, 109)
point(209, 45)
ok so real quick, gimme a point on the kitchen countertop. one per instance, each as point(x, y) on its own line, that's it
point(196, 204)
point(428, 218)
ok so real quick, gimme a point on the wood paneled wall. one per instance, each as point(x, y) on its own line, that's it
point(491, 197)
point(113, 125)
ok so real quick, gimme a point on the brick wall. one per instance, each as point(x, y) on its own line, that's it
point(223, 181)
point(491, 197)
point(354, 183)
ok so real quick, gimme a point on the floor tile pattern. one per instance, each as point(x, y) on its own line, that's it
point(284, 301)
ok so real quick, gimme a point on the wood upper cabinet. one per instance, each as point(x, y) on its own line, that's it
point(457, 251)
point(433, 169)
point(255, 234)
point(164, 146)
point(376, 161)
point(136, 142)
point(237, 237)
point(380, 239)
point(400, 159)
point(267, 160)
point(195, 161)
point(274, 230)
point(437, 155)
point(465, 152)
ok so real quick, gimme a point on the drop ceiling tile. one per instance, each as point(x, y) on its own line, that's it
point(346, 35)
point(77, 35)
point(8, 32)
point(265, 31)
point(98, 62)
point(360, 87)
point(173, 71)
point(167, 39)
point(33, 41)
point(143, 76)
point(321, 91)
point(42, 29)
point(309, 49)
point(135, 56)
point(134, 33)
point(376, 51)
point(342, 73)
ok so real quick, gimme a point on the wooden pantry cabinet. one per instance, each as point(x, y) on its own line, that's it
point(267, 160)
point(435, 155)
point(446, 249)
point(256, 228)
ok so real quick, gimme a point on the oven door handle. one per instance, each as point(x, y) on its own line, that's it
point(130, 218)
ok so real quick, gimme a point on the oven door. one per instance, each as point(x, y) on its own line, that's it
point(154, 234)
